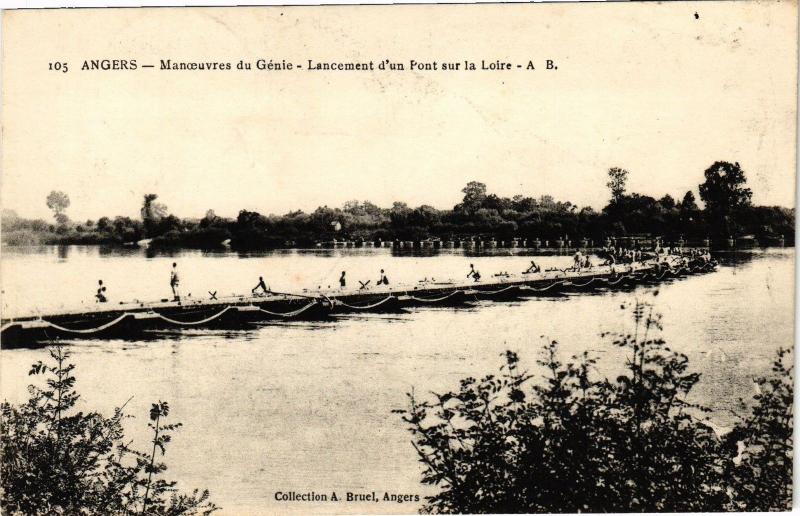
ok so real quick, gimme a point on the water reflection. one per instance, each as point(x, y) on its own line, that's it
point(63, 251)
point(740, 257)
point(114, 250)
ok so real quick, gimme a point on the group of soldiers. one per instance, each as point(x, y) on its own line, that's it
point(612, 256)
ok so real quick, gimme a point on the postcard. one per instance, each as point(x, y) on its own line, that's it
point(398, 259)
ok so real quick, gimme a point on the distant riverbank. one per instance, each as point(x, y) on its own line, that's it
point(727, 220)
point(217, 241)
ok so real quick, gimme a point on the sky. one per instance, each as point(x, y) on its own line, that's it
point(660, 90)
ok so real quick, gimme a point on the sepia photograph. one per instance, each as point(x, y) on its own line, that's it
point(398, 259)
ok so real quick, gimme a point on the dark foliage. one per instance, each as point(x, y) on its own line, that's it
point(574, 442)
point(58, 202)
point(762, 471)
point(726, 197)
point(56, 460)
point(728, 214)
point(617, 178)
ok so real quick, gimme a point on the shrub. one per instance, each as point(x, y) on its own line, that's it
point(574, 442)
point(59, 461)
point(762, 471)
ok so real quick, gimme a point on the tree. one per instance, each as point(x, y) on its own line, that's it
point(547, 203)
point(125, 229)
point(688, 204)
point(152, 213)
point(399, 214)
point(209, 220)
point(617, 177)
point(424, 216)
point(474, 196)
point(58, 202)
point(493, 202)
point(104, 224)
point(524, 204)
point(690, 223)
point(725, 195)
point(667, 202)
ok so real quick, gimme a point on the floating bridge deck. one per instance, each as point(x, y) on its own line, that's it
point(137, 320)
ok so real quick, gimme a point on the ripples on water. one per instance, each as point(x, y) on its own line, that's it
point(307, 405)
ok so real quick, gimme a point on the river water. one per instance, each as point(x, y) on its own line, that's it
point(306, 406)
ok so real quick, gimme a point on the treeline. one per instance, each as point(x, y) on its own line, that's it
point(574, 442)
point(728, 213)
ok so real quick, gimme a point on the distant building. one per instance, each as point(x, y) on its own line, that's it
point(336, 225)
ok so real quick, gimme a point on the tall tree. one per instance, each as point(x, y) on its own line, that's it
point(725, 195)
point(474, 195)
point(152, 213)
point(690, 220)
point(58, 202)
point(617, 177)
point(688, 204)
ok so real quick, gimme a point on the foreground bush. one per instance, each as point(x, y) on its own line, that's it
point(578, 443)
point(762, 472)
point(59, 461)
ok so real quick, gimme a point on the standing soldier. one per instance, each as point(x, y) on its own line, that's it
point(174, 281)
